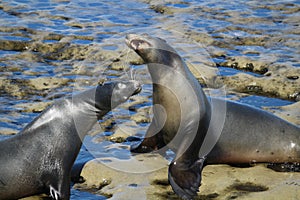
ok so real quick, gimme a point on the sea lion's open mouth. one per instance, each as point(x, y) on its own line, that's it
point(135, 42)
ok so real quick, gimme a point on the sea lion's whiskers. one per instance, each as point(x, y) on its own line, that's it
point(127, 72)
point(134, 74)
point(131, 70)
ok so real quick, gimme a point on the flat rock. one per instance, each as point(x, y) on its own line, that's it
point(33, 107)
point(289, 112)
point(8, 131)
point(145, 177)
point(43, 83)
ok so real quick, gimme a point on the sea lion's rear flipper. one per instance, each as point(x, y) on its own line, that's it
point(186, 179)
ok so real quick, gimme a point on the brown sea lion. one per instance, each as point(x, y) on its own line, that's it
point(222, 131)
point(184, 114)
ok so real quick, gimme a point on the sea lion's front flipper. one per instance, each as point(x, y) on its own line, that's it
point(153, 139)
point(149, 144)
point(59, 186)
point(185, 179)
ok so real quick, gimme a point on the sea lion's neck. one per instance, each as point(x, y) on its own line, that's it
point(161, 56)
point(88, 107)
point(93, 102)
point(80, 111)
point(165, 64)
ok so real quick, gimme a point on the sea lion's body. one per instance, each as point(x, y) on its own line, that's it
point(39, 159)
point(234, 133)
point(251, 135)
point(182, 119)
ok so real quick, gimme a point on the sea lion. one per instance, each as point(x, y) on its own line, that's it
point(39, 159)
point(183, 116)
point(234, 133)
point(251, 135)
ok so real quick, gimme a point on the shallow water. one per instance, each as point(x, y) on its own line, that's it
point(78, 42)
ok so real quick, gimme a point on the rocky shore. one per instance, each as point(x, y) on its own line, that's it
point(249, 50)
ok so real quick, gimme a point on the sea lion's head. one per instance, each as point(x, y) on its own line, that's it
point(125, 89)
point(111, 94)
point(152, 49)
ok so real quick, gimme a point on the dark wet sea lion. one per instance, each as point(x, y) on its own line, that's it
point(39, 159)
point(183, 117)
point(236, 134)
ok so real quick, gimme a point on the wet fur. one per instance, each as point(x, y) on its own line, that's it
point(39, 159)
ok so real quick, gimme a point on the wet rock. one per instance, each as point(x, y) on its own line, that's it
point(293, 77)
point(132, 58)
point(284, 167)
point(8, 131)
point(256, 182)
point(98, 128)
point(143, 115)
point(51, 51)
point(131, 178)
point(48, 48)
point(246, 64)
point(201, 37)
point(162, 9)
point(119, 66)
point(107, 122)
point(75, 24)
point(289, 112)
point(123, 131)
point(33, 107)
point(43, 83)
point(66, 52)
point(206, 75)
point(30, 58)
point(217, 181)
point(248, 187)
point(134, 101)
point(12, 88)
point(18, 30)
point(274, 84)
point(13, 45)
point(22, 88)
point(168, 7)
